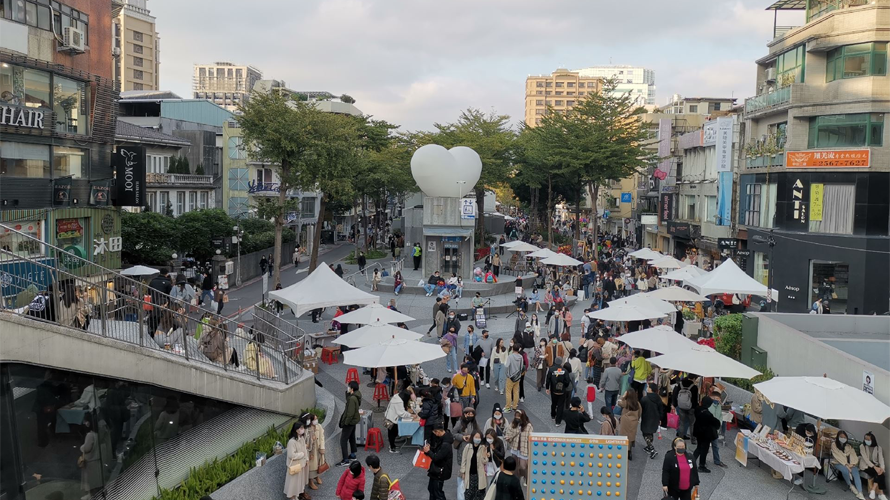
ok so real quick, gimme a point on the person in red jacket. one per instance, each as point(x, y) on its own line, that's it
point(352, 480)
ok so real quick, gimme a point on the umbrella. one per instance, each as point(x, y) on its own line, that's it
point(139, 271)
point(660, 338)
point(674, 293)
point(704, 361)
point(398, 352)
point(561, 260)
point(646, 253)
point(667, 262)
point(685, 273)
point(728, 278)
point(523, 247)
point(641, 300)
point(373, 313)
point(625, 312)
point(825, 398)
point(511, 243)
point(542, 253)
point(375, 334)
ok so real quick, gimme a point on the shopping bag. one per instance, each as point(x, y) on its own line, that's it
point(421, 460)
point(673, 420)
point(461, 489)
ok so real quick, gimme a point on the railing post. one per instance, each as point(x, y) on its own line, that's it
point(185, 333)
point(103, 311)
point(256, 355)
point(140, 318)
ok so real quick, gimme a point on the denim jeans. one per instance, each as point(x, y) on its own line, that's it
point(451, 360)
point(206, 293)
point(611, 399)
point(429, 288)
point(846, 475)
point(687, 420)
point(498, 374)
point(398, 288)
point(715, 447)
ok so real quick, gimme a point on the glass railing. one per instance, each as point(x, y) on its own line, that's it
point(765, 101)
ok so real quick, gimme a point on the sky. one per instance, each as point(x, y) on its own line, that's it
point(419, 62)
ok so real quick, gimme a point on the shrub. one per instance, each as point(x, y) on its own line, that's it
point(371, 255)
point(748, 385)
point(729, 335)
point(321, 413)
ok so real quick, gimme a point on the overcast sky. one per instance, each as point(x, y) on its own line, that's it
point(417, 62)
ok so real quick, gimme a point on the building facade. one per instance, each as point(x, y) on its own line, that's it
point(137, 46)
point(559, 91)
point(58, 110)
point(679, 105)
point(635, 81)
point(224, 83)
point(813, 205)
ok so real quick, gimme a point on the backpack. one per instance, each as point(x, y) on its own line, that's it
point(38, 304)
point(559, 386)
point(454, 395)
point(528, 340)
point(517, 374)
point(684, 398)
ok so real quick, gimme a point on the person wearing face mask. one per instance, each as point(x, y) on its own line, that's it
point(466, 384)
point(452, 322)
point(540, 362)
point(576, 417)
point(845, 461)
point(297, 457)
point(517, 440)
point(348, 421)
point(678, 472)
point(395, 410)
point(430, 411)
point(705, 431)
point(472, 468)
point(314, 448)
point(872, 463)
point(439, 450)
point(496, 422)
point(91, 472)
point(465, 428)
point(496, 449)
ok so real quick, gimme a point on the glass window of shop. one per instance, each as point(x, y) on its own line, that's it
point(790, 66)
point(761, 268)
point(71, 161)
point(24, 160)
point(52, 417)
point(853, 61)
point(11, 241)
point(70, 103)
point(24, 87)
point(833, 212)
point(849, 130)
point(829, 281)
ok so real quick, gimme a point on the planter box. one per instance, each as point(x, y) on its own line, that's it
point(691, 329)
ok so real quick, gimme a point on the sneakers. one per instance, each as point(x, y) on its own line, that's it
point(522, 400)
point(508, 410)
point(343, 463)
point(882, 497)
point(487, 385)
point(653, 454)
point(502, 393)
point(721, 465)
point(704, 469)
point(393, 450)
point(871, 494)
point(351, 457)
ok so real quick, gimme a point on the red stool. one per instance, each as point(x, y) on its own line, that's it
point(732, 424)
point(330, 355)
point(380, 394)
point(351, 376)
point(374, 439)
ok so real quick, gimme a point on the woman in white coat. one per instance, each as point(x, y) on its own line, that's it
point(297, 457)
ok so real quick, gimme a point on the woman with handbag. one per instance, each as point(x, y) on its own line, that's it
point(630, 419)
point(297, 458)
point(315, 449)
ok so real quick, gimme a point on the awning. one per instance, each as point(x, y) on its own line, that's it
point(788, 5)
point(447, 231)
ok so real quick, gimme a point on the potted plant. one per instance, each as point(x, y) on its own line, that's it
point(691, 325)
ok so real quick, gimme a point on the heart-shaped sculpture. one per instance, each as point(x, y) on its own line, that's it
point(445, 173)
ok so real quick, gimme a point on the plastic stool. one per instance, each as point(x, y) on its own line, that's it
point(351, 376)
point(374, 439)
point(380, 394)
point(330, 355)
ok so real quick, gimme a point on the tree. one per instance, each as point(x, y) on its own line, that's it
point(492, 138)
point(199, 170)
point(196, 230)
point(147, 238)
point(168, 209)
point(348, 99)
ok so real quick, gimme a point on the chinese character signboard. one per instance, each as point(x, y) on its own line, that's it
point(816, 191)
point(649, 220)
point(838, 158)
point(666, 207)
point(724, 144)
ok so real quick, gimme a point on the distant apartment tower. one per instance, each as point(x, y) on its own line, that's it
point(136, 46)
point(224, 83)
point(638, 82)
point(559, 90)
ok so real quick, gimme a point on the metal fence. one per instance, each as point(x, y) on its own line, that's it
point(47, 283)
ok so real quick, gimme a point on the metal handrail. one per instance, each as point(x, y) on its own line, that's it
point(82, 295)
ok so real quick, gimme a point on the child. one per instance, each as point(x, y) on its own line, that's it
point(351, 482)
point(591, 397)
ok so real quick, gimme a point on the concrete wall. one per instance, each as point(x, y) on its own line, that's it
point(792, 353)
point(36, 343)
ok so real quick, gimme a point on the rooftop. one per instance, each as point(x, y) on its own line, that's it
point(865, 337)
point(133, 133)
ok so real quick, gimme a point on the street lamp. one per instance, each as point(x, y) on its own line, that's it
point(173, 263)
point(238, 233)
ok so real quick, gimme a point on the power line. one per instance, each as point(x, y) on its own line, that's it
point(775, 235)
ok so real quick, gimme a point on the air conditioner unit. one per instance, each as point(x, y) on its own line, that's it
point(72, 40)
point(771, 75)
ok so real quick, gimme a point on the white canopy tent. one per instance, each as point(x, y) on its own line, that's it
point(728, 278)
point(646, 302)
point(646, 253)
point(139, 271)
point(321, 289)
point(625, 312)
point(667, 262)
point(509, 244)
point(825, 398)
point(542, 253)
point(661, 339)
point(704, 361)
point(375, 334)
point(685, 273)
point(373, 314)
point(522, 246)
point(675, 294)
point(561, 259)
point(398, 352)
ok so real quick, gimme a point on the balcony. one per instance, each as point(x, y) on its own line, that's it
point(763, 161)
point(155, 179)
point(768, 102)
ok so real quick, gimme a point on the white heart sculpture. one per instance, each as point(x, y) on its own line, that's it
point(441, 172)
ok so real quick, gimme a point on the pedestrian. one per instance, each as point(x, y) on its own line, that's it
point(381, 482)
point(576, 417)
point(466, 384)
point(641, 370)
point(396, 410)
point(339, 271)
point(678, 473)
point(871, 462)
point(220, 300)
point(470, 339)
point(630, 419)
point(297, 458)
point(450, 403)
point(845, 461)
point(611, 383)
point(398, 282)
point(438, 322)
point(430, 411)
point(517, 439)
point(651, 418)
point(264, 265)
point(609, 425)
point(685, 400)
point(449, 345)
point(296, 255)
point(558, 386)
point(440, 453)
point(90, 453)
point(507, 486)
point(415, 254)
point(513, 375)
point(486, 344)
point(496, 265)
point(539, 360)
point(375, 280)
point(706, 431)
point(497, 450)
point(496, 422)
point(465, 428)
point(352, 480)
point(472, 478)
point(350, 418)
point(271, 265)
point(315, 448)
point(499, 356)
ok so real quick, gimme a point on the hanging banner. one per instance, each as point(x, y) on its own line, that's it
point(724, 198)
point(666, 207)
point(816, 192)
point(62, 192)
point(129, 166)
point(724, 144)
point(100, 193)
point(664, 149)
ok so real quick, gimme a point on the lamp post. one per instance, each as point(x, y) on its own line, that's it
point(238, 233)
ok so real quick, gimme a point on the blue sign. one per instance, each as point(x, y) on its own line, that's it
point(16, 276)
point(724, 198)
point(626, 198)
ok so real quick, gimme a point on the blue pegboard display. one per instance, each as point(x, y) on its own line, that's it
point(576, 466)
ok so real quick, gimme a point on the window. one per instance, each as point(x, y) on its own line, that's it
point(689, 206)
point(790, 66)
point(70, 103)
point(539, 102)
point(137, 74)
point(539, 84)
point(570, 84)
point(548, 103)
point(838, 204)
point(863, 129)
point(559, 92)
point(761, 268)
point(570, 103)
point(570, 93)
point(193, 200)
point(71, 161)
point(137, 61)
point(693, 108)
point(166, 163)
point(137, 36)
point(580, 93)
point(24, 160)
point(138, 86)
point(264, 176)
point(852, 61)
point(23, 247)
point(549, 84)
point(752, 205)
point(711, 214)
point(38, 14)
point(559, 84)
point(202, 200)
point(548, 93)
point(137, 49)
point(539, 111)
point(163, 201)
point(153, 201)
point(559, 103)
point(236, 149)
point(539, 92)
point(307, 207)
point(180, 202)
point(591, 85)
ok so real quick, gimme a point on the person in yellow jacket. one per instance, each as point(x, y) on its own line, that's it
point(466, 384)
point(642, 369)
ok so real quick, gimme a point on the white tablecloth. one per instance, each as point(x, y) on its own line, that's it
point(786, 468)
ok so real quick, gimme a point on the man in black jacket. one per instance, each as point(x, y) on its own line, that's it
point(705, 430)
point(685, 405)
point(439, 450)
point(160, 288)
point(652, 410)
point(558, 385)
point(576, 417)
point(206, 288)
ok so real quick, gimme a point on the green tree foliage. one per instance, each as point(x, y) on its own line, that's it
point(147, 238)
point(196, 228)
point(729, 335)
point(348, 99)
point(199, 170)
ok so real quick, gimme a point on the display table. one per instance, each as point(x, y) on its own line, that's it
point(787, 468)
point(411, 428)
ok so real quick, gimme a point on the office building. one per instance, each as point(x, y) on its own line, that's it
point(559, 91)
point(224, 83)
point(813, 206)
point(679, 105)
point(635, 81)
point(137, 47)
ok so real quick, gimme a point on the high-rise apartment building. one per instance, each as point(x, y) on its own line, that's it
point(224, 83)
point(559, 90)
point(136, 46)
point(638, 82)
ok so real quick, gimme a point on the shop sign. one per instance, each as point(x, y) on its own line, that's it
point(99, 193)
point(709, 134)
point(649, 220)
point(129, 164)
point(21, 117)
point(254, 187)
point(816, 192)
point(727, 243)
point(724, 144)
point(68, 228)
point(743, 253)
point(666, 207)
point(468, 209)
point(107, 223)
point(62, 192)
point(836, 158)
point(626, 198)
point(681, 229)
point(798, 202)
point(101, 245)
point(18, 275)
point(74, 258)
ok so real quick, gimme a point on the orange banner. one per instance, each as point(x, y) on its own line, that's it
point(853, 158)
